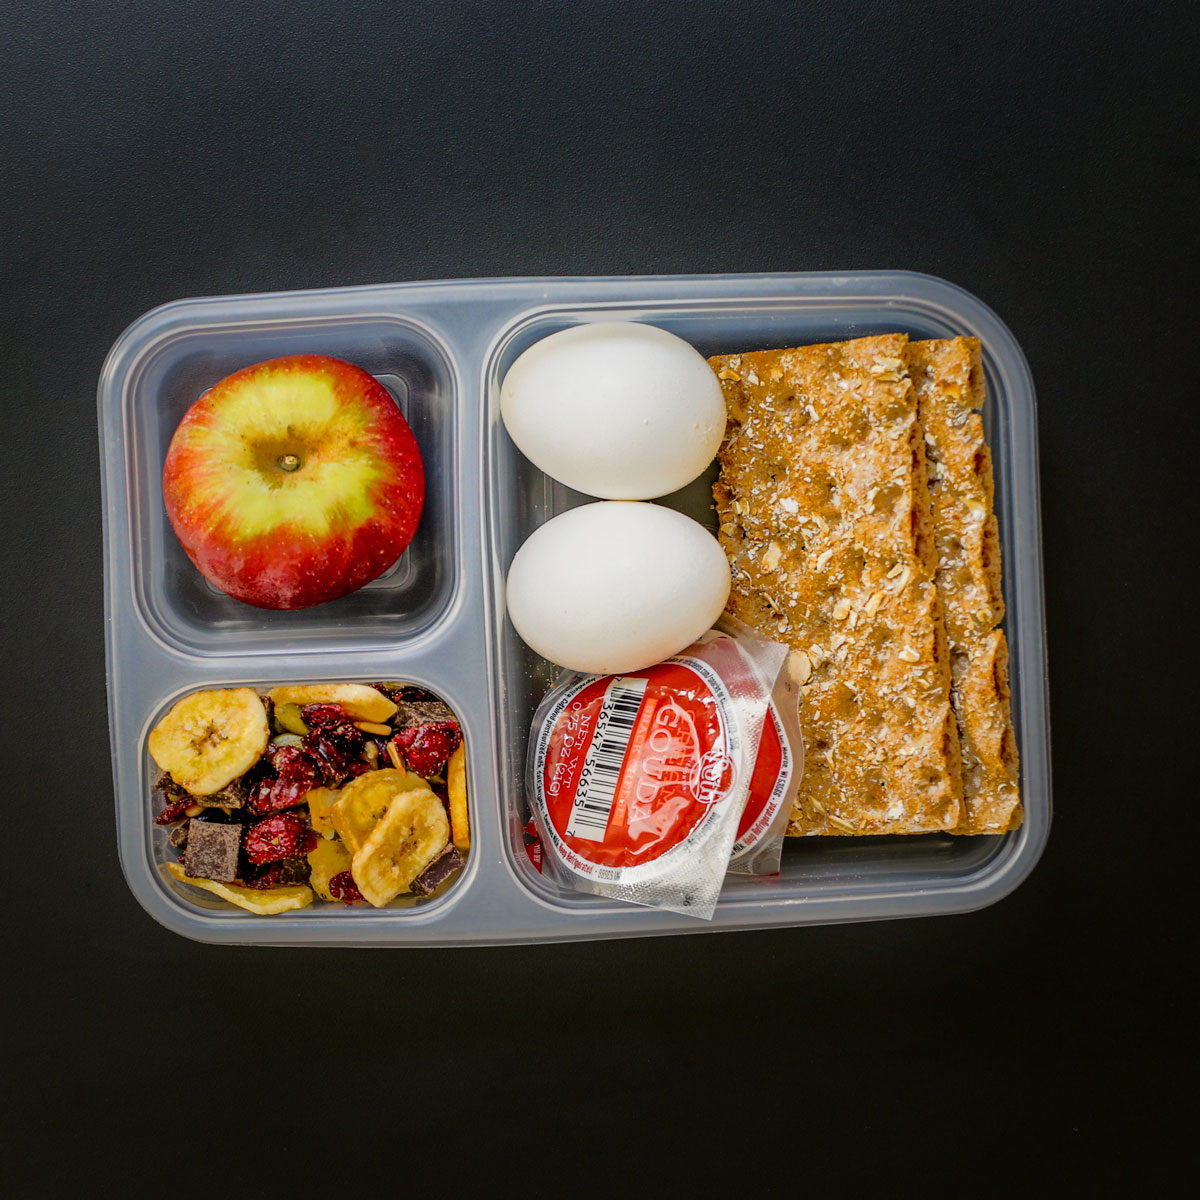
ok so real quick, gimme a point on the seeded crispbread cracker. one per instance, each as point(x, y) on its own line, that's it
point(949, 383)
point(825, 518)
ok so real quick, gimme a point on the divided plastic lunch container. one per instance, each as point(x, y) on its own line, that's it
point(437, 618)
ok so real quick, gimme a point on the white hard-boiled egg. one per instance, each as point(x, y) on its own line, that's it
point(620, 410)
point(616, 586)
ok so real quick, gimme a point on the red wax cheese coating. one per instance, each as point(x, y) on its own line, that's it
point(767, 767)
point(633, 765)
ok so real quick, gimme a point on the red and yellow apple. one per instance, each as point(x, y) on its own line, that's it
point(294, 482)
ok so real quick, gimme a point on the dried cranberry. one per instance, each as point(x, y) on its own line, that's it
point(331, 752)
point(175, 809)
point(176, 800)
point(288, 792)
point(283, 835)
point(427, 747)
point(259, 799)
point(324, 714)
point(281, 757)
point(299, 772)
point(342, 887)
point(350, 733)
point(261, 877)
point(295, 773)
point(338, 748)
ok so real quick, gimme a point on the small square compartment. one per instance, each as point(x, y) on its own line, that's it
point(205, 915)
point(178, 605)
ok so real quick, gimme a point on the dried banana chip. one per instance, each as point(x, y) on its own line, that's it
point(264, 901)
point(408, 837)
point(210, 738)
point(327, 860)
point(364, 800)
point(456, 785)
point(362, 703)
point(320, 801)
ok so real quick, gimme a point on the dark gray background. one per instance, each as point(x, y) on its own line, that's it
point(1044, 156)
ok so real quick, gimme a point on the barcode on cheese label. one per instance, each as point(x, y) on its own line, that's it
point(605, 756)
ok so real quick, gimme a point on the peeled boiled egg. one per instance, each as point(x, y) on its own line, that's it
point(616, 586)
point(616, 409)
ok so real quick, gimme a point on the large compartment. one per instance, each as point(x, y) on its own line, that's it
point(813, 869)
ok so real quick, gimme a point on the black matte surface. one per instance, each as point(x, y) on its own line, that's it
point(1042, 156)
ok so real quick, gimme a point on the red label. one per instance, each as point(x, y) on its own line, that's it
point(533, 844)
point(630, 766)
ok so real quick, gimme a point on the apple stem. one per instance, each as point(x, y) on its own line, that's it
point(289, 462)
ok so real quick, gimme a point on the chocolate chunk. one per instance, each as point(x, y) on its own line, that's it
point(179, 835)
point(294, 870)
point(218, 816)
point(212, 851)
point(437, 872)
point(423, 712)
point(232, 795)
point(165, 784)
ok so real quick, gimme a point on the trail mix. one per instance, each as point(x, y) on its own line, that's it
point(350, 792)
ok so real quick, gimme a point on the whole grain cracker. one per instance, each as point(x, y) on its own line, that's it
point(949, 383)
point(825, 518)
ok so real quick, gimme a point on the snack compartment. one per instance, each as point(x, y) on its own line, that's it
point(171, 357)
point(200, 914)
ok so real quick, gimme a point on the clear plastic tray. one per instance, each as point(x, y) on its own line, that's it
point(437, 618)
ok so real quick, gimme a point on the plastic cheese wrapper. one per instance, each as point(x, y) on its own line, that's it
point(638, 782)
point(778, 770)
